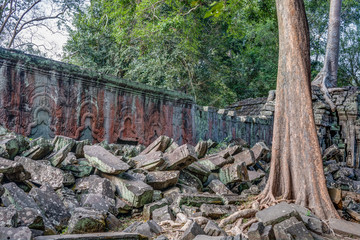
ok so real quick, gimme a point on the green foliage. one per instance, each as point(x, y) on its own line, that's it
point(214, 51)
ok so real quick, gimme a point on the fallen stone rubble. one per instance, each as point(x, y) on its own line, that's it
point(68, 189)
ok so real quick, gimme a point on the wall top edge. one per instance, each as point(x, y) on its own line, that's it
point(37, 62)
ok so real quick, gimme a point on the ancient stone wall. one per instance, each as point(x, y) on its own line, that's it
point(42, 97)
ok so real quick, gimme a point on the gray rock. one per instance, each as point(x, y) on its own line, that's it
point(59, 154)
point(161, 237)
point(212, 229)
point(198, 199)
point(180, 158)
point(235, 172)
point(103, 160)
point(113, 224)
point(136, 192)
point(41, 173)
point(160, 144)
point(157, 195)
point(162, 214)
point(149, 229)
point(255, 231)
point(254, 175)
point(217, 211)
point(201, 148)
point(200, 171)
point(13, 171)
point(95, 236)
point(15, 195)
point(206, 237)
point(331, 168)
point(80, 169)
point(122, 206)
point(344, 227)
point(79, 148)
point(171, 194)
point(10, 144)
point(20, 233)
point(276, 214)
point(291, 229)
point(150, 161)
point(42, 148)
point(247, 156)
point(86, 220)
point(149, 208)
point(344, 172)
point(68, 197)
point(31, 218)
point(138, 173)
point(215, 162)
point(8, 216)
point(332, 152)
point(193, 230)
point(51, 206)
point(260, 150)
point(219, 188)
point(188, 179)
point(162, 180)
point(99, 202)
point(95, 184)
point(191, 212)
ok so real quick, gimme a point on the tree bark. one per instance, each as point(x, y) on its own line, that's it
point(296, 171)
point(327, 77)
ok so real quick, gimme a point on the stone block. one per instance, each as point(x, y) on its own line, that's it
point(246, 156)
point(198, 199)
point(160, 144)
point(162, 214)
point(235, 172)
point(150, 161)
point(31, 218)
point(20, 233)
point(276, 214)
point(192, 231)
point(86, 220)
point(161, 180)
point(219, 188)
point(291, 229)
point(346, 228)
point(180, 158)
point(95, 184)
point(201, 149)
point(212, 229)
point(215, 162)
point(42, 174)
point(103, 160)
point(15, 195)
point(149, 208)
point(217, 211)
point(98, 202)
point(134, 191)
point(8, 216)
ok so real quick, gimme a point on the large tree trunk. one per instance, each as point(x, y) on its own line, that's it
point(296, 171)
point(327, 77)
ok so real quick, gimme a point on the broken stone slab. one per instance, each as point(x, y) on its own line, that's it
point(161, 180)
point(215, 162)
point(219, 188)
point(41, 173)
point(230, 151)
point(138, 173)
point(103, 160)
point(150, 161)
point(62, 146)
point(254, 175)
point(42, 148)
point(51, 206)
point(346, 228)
point(200, 171)
point(10, 144)
point(113, 224)
point(86, 220)
point(134, 191)
point(331, 152)
point(171, 194)
point(79, 148)
point(98, 202)
point(198, 199)
point(95, 184)
point(160, 144)
point(8, 216)
point(247, 156)
point(180, 158)
point(149, 208)
point(95, 236)
point(217, 211)
point(276, 214)
point(291, 229)
point(31, 218)
point(192, 231)
point(260, 150)
point(80, 169)
point(201, 149)
point(20, 233)
point(235, 172)
point(122, 206)
point(15, 195)
point(149, 228)
point(13, 170)
point(212, 229)
point(188, 179)
point(68, 197)
point(162, 214)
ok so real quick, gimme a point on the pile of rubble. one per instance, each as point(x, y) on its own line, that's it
point(68, 189)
